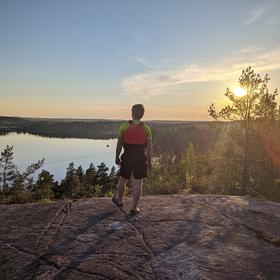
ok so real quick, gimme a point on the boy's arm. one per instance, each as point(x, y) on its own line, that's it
point(121, 131)
point(119, 149)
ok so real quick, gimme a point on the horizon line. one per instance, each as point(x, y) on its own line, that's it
point(100, 119)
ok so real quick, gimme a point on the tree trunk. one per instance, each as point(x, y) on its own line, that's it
point(246, 163)
point(4, 178)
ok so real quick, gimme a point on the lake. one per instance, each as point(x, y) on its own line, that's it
point(59, 152)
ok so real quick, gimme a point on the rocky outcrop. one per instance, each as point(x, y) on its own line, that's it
point(173, 237)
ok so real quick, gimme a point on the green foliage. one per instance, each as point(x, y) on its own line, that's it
point(89, 180)
point(77, 183)
point(8, 169)
point(188, 163)
point(225, 162)
point(256, 105)
point(16, 185)
point(25, 178)
point(173, 138)
point(102, 175)
point(70, 186)
point(98, 191)
point(106, 180)
point(164, 178)
point(80, 173)
point(43, 189)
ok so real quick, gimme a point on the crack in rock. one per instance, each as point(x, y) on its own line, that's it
point(64, 210)
point(186, 220)
point(258, 234)
point(21, 250)
point(262, 236)
point(86, 272)
point(142, 235)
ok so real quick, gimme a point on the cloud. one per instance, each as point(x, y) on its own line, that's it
point(175, 113)
point(153, 66)
point(248, 49)
point(176, 80)
point(142, 61)
point(254, 15)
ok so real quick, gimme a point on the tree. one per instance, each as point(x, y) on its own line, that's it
point(113, 172)
point(225, 161)
point(102, 178)
point(256, 104)
point(80, 173)
point(89, 181)
point(30, 170)
point(8, 169)
point(113, 178)
point(166, 176)
point(44, 186)
point(188, 163)
point(70, 185)
point(23, 183)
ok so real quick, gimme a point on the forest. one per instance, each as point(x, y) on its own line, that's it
point(73, 128)
point(238, 153)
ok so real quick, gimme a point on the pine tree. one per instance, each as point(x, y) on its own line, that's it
point(113, 178)
point(112, 172)
point(89, 181)
point(90, 175)
point(8, 169)
point(102, 174)
point(23, 184)
point(43, 188)
point(80, 173)
point(17, 190)
point(70, 185)
point(256, 104)
point(102, 178)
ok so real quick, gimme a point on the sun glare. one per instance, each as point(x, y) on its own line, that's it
point(240, 92)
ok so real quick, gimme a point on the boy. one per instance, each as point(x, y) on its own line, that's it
point(134, 137)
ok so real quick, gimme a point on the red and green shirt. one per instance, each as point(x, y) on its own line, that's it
point(135, 132)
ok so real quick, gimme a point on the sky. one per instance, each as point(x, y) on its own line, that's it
point(95, 59)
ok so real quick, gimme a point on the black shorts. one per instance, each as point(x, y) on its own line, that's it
point(133, 162)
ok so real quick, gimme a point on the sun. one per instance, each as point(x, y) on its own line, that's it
point(239, 91)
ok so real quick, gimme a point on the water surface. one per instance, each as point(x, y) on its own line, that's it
point(59, 152)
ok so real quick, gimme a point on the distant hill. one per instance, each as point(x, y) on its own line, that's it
point(60, 127)
point(174, 237)
point(78, 128)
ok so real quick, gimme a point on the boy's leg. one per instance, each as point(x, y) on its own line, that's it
point(137, 190)
point(121, 188)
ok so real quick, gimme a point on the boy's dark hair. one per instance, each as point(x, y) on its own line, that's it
point(138, 111)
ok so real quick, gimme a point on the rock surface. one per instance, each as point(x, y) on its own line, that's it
point(173, 237)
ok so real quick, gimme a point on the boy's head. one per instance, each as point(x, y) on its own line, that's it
point(137, 111)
